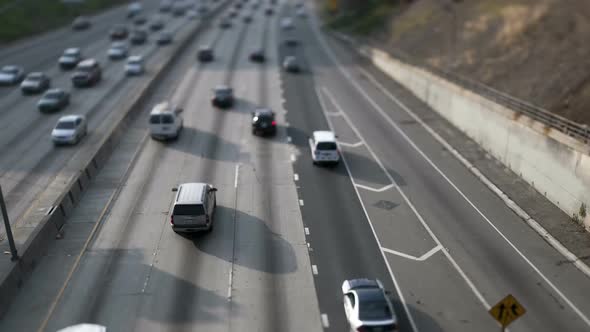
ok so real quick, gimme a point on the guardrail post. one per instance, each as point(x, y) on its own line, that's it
point(8, 228)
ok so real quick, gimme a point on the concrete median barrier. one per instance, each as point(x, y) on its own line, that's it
point(43, 221)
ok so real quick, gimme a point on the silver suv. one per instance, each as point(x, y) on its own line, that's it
point(194, 208)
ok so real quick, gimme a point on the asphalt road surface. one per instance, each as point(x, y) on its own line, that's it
point(287, 233)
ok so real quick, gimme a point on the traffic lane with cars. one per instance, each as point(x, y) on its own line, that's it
point(38, 53)
point(31, 161)
point(481, 253)
point(51, 272)
point(341, 241)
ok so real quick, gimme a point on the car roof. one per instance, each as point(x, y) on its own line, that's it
point(35, 74)
point(88, 62)
point(370, 294)
point(222, 87)
point(72, 50)
point(263, 111)
point(71, 117)
point(54, 90)
point(326, 136)
point(135, 58)
point(163, 107)
point(363, 283)
point(10, 67)
point(118, 44)
point(190, 193)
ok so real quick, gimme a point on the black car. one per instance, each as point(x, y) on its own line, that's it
point(118, 32)
point(225, 24)
point(35, 83)
point(88, 73)
point(140, 20)
point(138, 37)
point(232, 14)
point(257, 56)
point(156, 25)
point(247, 19)
point(291, 42)
point(164, 38)
point(263, 122)
point(291, 65)
point(53, 100)
point(268, 11)
point(81, 23)
point(205, 54)
point(223, 97)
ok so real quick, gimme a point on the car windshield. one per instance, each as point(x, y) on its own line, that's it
point(66, 125)
point(134, 62)
point(189, 210)
point(53, 95)
point(34, 77)
point(167, 119)
point(374, 310)
point(71, 52)
point(9, 70)
point(326, 146)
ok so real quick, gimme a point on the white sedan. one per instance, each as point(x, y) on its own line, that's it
point(367, 306)
point(69, 129)
point(134, 65)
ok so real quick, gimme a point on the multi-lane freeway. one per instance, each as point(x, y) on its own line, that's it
point(287, 233)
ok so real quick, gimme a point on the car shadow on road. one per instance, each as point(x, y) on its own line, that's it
point(424, 321)
point(257, 246)
point(204, 144)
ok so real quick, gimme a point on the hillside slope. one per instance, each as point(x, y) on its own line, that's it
point(536, 50)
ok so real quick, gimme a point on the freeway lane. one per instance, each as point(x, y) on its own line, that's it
point(251, 273)
point(28, 161)
point(453, 246)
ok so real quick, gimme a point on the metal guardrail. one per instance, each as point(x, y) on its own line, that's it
point(571, 128)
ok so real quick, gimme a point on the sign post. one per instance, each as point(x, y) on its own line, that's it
point(507, 311)
point(8, 228)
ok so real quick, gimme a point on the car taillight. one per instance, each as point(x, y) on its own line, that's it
point(361, 329)
point(172, 220)
point(274, 123)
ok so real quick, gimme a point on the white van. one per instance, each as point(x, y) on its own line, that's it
point(165, 121)
point(194, 207)
point(323, 148)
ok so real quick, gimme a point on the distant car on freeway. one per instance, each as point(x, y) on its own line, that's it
point(367, 306)
point(70, 58)
point(11, 75)
point(247, 18)
point(225, 23)
point(118, 32)
point(165, 121)
point(135, 65)
point(134, 9)
point(324, 149)
point(194, 207)
point(205, 54)
point(263, 122)
point(232, 13)
point(269, 11)
point(287, 23)
point(191, 14)
point(178, 9)
point(69, 129)
point(165, 6)
point(35, 82)
point(164, 38)
point(257, 56)
point(53, 100)
point(156, 24)
point(138, 37)
point(291, 65)
point(140, 20)
point(291, 42)
point(223, 96)
point(88, 73)
point(301, 12)
point(81, 23)
point(118, 51)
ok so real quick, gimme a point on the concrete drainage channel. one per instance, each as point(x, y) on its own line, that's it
point(45, 218)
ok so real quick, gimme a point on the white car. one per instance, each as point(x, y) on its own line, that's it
point(134, 65)
point(69, 129)
point(287, 23)
point(165, 121)
point(134, 9)
point(324, 149)
point(367, 306)
point(118, 50)
point(11, 75)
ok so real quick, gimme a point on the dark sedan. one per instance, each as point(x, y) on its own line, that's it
point(53, 100)
point(35, 83)
point(263, 122)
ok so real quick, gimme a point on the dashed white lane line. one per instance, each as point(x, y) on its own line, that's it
point(237, 175)
point(377, 190)
point(325, 321)
point(300, 202)
point(414, 258)
point(306, 231)
point(289, 139)
point(293, 157)
point(296, 177)
point(351, 145)
point(314, 269)
point(230, 282)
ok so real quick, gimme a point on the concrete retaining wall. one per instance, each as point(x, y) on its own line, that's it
point(553, 163)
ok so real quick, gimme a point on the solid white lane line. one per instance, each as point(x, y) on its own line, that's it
point(306, 231)
point(351, 145)
point(230, 282)
point(510, 203)
point(393, 279)
point(300, 202)
point(296, 177)
point(414, 258)
point(236, 175)
point(467, 280)
point(314, 269)
point(325, 321)
point(378, 108)
point(379, 190)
